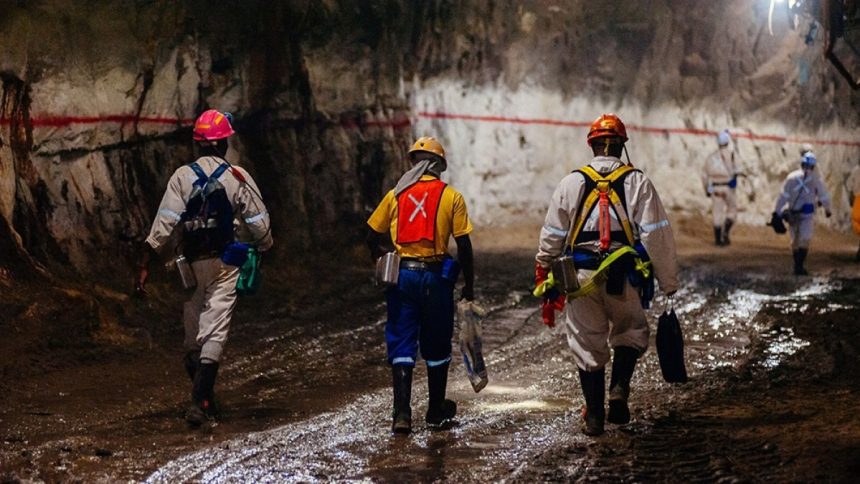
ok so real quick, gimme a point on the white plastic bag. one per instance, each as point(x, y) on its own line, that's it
point(470, 314)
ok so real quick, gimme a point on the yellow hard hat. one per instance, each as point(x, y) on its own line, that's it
point(428, 144)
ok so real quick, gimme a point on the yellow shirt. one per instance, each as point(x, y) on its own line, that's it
point(451, 219)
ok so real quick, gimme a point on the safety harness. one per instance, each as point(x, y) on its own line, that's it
point(605, 193)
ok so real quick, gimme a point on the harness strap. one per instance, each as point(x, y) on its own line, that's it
point(599, 275)
point(202, 178)
point(604, 193)
point(219, 171)
point(201, 175)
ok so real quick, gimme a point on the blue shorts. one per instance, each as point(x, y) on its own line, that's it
point(420, 313)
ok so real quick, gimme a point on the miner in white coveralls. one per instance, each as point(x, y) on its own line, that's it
point(608, 217)
point(720, 179)
point(801, 193)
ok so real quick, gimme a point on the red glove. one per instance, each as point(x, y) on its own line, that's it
point(550, 306)
point(541, 274)
point(552, 300)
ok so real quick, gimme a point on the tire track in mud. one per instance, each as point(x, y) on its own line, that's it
point(525, 425)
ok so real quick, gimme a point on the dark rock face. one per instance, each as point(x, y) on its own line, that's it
point(97, 99)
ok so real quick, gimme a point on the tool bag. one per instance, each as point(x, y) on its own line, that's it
point(670, 348)
point(470, 314)
point(777, 224)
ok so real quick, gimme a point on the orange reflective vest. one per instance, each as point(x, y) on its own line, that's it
point(417, 207)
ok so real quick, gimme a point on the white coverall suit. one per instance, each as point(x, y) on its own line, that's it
point(207, 315)
point(801, 192)
point(593, 319)
point(720, 170)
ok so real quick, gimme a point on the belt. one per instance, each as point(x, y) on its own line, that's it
point(417, 265)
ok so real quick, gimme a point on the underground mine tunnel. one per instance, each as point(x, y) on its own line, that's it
point(318, 113)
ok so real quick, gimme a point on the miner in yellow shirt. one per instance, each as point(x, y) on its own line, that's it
point(420, 215)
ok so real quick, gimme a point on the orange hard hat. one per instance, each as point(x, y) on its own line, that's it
point(428, 144)
point(212, 125)
point(607, 125)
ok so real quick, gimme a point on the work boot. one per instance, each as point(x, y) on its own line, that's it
point(202, 406)
point(594, 390)
point(726, 229)
point(718, 235)
point(857, 257)
point(799, 258)
point(402, 383)
point(191, 362)
point(439, 409)
point(619, 384)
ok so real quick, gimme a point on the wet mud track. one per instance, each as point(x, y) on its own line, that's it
point(748, 341)
point(773, 362)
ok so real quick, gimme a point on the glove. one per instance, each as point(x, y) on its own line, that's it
point(828, 213)
point(541, 274)
point(467, 293)
point(552, 301)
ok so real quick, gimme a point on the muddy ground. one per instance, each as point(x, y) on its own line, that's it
point(774, 362)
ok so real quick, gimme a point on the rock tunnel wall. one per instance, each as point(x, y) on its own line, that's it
point(97, 99)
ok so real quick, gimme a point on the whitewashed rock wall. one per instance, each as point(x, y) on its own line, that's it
point(508, 170)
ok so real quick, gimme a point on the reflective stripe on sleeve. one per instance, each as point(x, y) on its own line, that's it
point(654, 226)
point(256, 218)
point(555, 231)
point(170, 213)
point(432, 363)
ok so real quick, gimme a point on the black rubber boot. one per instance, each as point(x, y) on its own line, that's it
point(202, 406)
point(799, 258)
point(619, 384)
point(439, 409)
point(594, 390)
point(718, 235)
point(857, 257)
point(402, 384)
point(726, 229)
point(191, 362)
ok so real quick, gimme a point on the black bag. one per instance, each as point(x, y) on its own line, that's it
point(777, 224)
point(670, 348)
point(207, 221)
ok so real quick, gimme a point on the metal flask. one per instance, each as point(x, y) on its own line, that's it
point(186, 273)
point(564, 273)
point(388, 268)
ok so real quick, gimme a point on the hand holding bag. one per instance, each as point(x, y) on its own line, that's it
point(670, 347)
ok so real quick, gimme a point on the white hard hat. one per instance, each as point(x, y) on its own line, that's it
point(724, 137)
point(805, 148)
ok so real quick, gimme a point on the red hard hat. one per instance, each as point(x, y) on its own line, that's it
point(607, 125)
point(212, 125)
